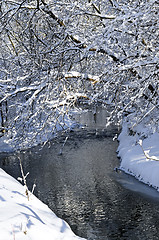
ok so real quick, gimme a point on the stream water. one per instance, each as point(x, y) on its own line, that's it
point(78, 182)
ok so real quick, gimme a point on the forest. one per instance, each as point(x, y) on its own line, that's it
point(55, 55)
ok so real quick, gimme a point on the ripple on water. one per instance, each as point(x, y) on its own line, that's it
point(81, 186)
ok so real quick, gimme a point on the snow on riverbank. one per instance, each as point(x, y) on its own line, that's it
point(133, 159)
point(21, 219)
point(31, 220)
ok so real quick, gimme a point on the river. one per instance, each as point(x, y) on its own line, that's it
point(75, 177)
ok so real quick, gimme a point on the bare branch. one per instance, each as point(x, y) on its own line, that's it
point(100, 16)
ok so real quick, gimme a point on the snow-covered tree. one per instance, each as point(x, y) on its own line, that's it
point(54, 53)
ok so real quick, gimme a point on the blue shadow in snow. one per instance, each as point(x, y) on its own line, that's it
point(18, 193)
point(34, 215)
point(2, 199)
point(64, 227)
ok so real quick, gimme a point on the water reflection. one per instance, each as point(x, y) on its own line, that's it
point(81, 186)
point(95, 118)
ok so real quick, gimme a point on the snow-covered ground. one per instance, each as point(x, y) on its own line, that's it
point(140, 158)
point(31, 219)
point(21, 219)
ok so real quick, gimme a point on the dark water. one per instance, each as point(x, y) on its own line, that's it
point(81, 186)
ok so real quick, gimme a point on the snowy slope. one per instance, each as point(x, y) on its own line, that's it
point(133, 159)
point(29, 220)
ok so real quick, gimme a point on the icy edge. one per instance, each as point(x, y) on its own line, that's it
point(133, 160)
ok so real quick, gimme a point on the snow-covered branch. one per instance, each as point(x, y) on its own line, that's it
point(99, 15)
point(53, 54)
point(37, 90)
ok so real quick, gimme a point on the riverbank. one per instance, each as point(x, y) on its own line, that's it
point(140, 157)
point(31, 219)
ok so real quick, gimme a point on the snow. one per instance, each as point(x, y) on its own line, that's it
point(74, 74)
point(7, 144)
point(31, 219)
point(4, 145)
point(139, 160)
point(22, 219)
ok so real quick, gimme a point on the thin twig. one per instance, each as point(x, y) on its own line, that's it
point(63, 145)
point(24, 178)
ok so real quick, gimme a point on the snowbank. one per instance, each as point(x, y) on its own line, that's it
point(29, 220)
point(133, 159)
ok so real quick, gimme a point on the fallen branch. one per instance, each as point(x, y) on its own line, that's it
point(146, 153)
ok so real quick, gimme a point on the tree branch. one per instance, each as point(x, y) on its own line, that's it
point(100, 16)
point(51, 14)
point(146, 154)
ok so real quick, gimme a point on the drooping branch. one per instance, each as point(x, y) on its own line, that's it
point(73, 38)
point(37, 90)
point(51, 14)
